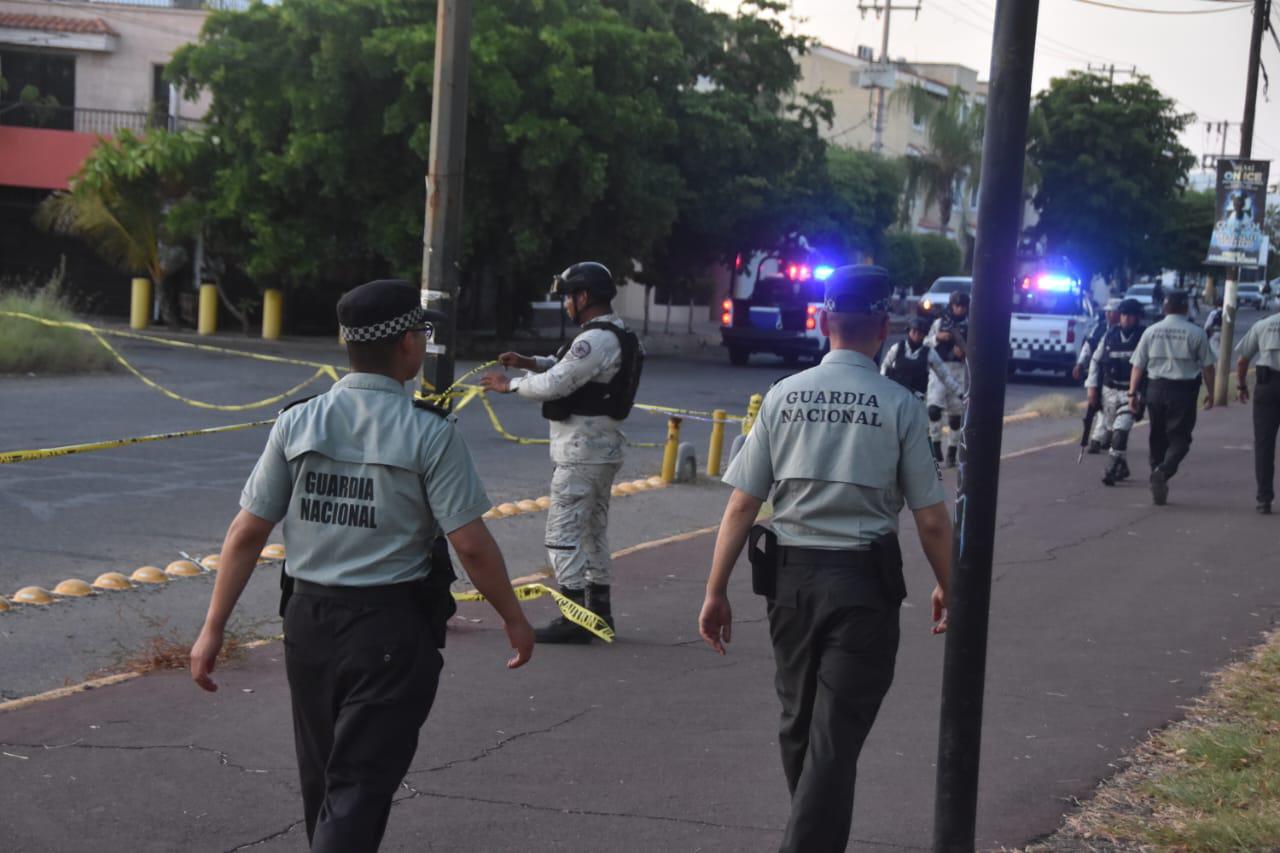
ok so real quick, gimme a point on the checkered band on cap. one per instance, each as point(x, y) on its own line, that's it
point(848, 304)
point(414, 318)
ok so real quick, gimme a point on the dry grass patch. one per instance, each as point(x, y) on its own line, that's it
point(1208, 783)
point(1052, 406)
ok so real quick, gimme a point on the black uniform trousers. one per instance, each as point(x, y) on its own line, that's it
point(363, 669)
point(1172, 406)
point(835, 639)
point(1266, 422)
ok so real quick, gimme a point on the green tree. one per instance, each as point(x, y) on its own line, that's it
point(1186, 236)
point(902, 259)
point(939, 256)
point(118, 204)
point(1111, 168)
point(952, 162)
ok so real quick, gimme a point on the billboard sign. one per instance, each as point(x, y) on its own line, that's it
point(1242, 202)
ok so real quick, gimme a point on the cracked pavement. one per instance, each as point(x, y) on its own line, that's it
point(1107, 616)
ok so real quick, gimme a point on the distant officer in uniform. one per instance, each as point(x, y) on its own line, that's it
point(587, 389)
point(1213, 328)
point(365, 482)
point(1108, 385)
point(838, 449)
point(1174, 354)
point(949, 336)
point(1109, 318)
point(1263, 343)
point(912, 362)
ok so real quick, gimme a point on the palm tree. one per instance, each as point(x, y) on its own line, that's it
point(952, 162)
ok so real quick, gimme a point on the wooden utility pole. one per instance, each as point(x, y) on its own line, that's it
point(441, 238)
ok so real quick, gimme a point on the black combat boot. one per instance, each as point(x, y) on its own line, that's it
point(1112, 475)
point(1095, 447)
point(937, 451)
point(1124, 469)
point(560, 630)
point(951, 456)
point(598, 603)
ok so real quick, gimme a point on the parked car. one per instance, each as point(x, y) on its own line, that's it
point(935, 299)
point(1144, 294)
point(1249, 295)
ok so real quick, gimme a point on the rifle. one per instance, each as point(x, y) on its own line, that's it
point(1089, 415)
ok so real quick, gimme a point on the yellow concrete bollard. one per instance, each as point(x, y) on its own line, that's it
point(717, 442)
point(671, 450)
point(272, 314)
point(207, 318)
point(753, 409)
point(140, 304)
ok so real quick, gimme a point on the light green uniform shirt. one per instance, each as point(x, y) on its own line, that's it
point(838, 449)
point(1262, 340)
point(363, 482)
point(1175, 348)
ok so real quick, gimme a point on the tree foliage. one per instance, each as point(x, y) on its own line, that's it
point(1186, 235)
point(1111, 170)
point(952, 161)
point(939, 256)
point(902, 259)
point(652, 135)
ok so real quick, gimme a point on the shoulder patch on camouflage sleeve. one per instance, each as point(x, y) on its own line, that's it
point(580, 349)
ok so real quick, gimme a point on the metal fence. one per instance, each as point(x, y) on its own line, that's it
point(85, 120)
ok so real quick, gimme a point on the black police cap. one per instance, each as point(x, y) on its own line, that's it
point(859, 289)
point(1176, 299)
point(381, 310)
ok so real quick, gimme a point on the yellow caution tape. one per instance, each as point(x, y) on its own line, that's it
point(690, 413)
point(69, 449)
point(85, 327)
point(572, 610)
point(323, 370)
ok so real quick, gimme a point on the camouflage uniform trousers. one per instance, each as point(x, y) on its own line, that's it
point(577, 524)
point(1115, 405)
point(944, 405)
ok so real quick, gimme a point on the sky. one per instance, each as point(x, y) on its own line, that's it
point(1199, 60)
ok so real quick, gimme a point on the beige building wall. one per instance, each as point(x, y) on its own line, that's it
point(119, 78)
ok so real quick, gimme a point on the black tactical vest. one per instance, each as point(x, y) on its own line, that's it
point(957, 327)
point(613, 398)
point(910, 368)
point(1118, 346)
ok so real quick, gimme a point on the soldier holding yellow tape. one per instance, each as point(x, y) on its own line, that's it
point(365, 482)
point(586, 391)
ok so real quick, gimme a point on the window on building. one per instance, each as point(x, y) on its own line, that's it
point(41, 89)
point(917, 120)
point(161, 97)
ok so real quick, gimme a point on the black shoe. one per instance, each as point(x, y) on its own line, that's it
point(560, 631)
point(1264, 507)
point(1094, 447)
point(1112, 475)
point(1123, 473)
point(599, 604)
point(1159, 487)
point(951, 456)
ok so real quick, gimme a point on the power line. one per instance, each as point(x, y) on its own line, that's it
point(1144, 11)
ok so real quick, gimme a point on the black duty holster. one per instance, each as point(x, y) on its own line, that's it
point(762, 552)
point(888, 557)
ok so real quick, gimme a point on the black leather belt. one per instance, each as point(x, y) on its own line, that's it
point(385, 594)
point(850, 558)
point(1184, 384)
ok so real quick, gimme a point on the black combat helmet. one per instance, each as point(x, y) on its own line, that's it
point(1131, 306)
point(590, 276)
point(921, 324)
point(960, 298)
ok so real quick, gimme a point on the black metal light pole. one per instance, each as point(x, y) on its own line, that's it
point(442, 232)
point(999, 219)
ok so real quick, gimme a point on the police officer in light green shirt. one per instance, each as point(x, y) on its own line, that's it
point(839, 450)
point(1262, 342)
point(1174, 353)
point(365, 482)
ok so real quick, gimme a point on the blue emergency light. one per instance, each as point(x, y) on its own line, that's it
point(822, 273)
point(1055, 283)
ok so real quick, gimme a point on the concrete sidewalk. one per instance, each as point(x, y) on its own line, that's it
point(1107, 614)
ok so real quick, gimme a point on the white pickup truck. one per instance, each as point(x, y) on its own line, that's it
point(1051, 318)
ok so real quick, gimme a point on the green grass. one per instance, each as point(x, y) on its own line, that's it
point(30, 347)
point(1210, 783)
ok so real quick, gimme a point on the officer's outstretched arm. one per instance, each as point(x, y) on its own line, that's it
point(240, 549)
point(590, 355)
point(482, 560)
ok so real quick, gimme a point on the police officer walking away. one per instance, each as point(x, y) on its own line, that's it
point(587, 389)
point(1174, 354)
point(365, 482)
point(1108, 385)
point(912, 363)
point(949, 336)
point(838, 449)
point(1262, 342)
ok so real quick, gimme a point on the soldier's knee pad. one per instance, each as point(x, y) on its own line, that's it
point(935, 413)
point(954, 422)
